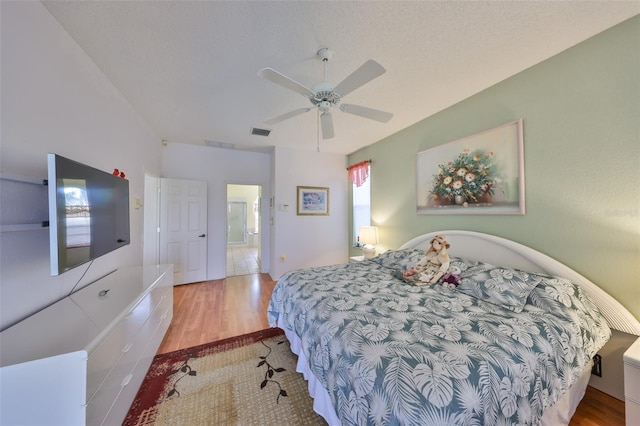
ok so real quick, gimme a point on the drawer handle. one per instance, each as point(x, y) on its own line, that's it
point(126, 348)
point(126, 380)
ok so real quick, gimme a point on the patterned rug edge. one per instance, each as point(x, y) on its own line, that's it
point(148, 395)
point(222, 345)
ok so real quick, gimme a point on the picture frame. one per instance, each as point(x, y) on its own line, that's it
point(312, 201)
point(481, 174)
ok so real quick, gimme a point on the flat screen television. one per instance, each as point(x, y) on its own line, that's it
point(88, 213)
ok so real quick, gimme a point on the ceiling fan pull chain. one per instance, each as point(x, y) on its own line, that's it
point(324, 62)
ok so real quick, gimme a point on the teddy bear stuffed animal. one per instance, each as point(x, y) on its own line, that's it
point(434, 264)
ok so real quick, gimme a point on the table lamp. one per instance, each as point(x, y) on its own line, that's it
point(369, 237)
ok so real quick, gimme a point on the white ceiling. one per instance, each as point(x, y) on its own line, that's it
point(190, 68)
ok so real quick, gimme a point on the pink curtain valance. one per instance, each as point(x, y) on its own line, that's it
point(359, 172)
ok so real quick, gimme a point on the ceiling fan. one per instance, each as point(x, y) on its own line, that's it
point(324, 96)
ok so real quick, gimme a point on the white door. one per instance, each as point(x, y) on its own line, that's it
point(183, 228)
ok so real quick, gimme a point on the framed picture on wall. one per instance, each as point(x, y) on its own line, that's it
point(313, 201)
point(479, 174)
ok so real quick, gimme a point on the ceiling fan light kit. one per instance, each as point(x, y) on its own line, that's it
point(325, 96)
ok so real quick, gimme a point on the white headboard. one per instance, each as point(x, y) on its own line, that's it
point(500, 251)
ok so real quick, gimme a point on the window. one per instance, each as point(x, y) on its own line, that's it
point(361, 207)
point(77, 213)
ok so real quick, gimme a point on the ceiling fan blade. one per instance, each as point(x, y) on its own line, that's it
point(326, 123)
point(370, 113)
point(287, 115)
point(367, 72)
point(284, 81)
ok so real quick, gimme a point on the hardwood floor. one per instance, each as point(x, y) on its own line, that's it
point(215, 310)
point(598, 409)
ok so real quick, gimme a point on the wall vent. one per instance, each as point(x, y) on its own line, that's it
point(216, 144)
point(260, 132)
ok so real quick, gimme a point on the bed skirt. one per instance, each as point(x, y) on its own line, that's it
point(321, 401)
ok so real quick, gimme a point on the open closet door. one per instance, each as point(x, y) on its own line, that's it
point(183, 228)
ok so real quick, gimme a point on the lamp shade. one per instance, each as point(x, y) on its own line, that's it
point(368, 235)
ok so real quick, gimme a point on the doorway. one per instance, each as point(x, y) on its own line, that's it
point(243, 229)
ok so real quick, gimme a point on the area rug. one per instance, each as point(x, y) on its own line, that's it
point(246, 380)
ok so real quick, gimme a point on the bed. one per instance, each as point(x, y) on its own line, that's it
point(377, 350)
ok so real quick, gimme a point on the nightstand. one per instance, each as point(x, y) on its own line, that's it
point(632, 383)
point(354, 259)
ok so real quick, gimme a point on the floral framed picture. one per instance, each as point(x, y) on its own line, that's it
point(479, 174)
point(313, 201)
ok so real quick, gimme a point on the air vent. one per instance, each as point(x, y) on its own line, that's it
point(216, 144)
point(260, 132)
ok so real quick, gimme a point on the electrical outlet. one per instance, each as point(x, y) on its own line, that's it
point(597, 365)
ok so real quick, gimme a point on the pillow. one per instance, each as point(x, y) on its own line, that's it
point(462, 264)
point(399, 259)
point(505, 287)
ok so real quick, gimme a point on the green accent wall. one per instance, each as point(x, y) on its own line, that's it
point(581, 113)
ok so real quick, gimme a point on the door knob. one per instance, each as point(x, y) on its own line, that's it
point(202, 235)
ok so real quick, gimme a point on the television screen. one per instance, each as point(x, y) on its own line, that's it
point(88, 213)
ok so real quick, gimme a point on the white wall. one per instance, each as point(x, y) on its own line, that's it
point(219, 167)
point(308, 240)
point(581, 150)
point(55, 99)
point(304, 240)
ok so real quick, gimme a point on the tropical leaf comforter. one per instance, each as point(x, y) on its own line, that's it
point(497, 350)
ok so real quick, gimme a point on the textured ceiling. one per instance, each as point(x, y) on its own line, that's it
point(190, 68)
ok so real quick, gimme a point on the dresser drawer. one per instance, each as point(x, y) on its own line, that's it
point(102, 400)
point(106, 354)
point(166, 302)
point(120, 376)
point(128, 392)
point(159, 295)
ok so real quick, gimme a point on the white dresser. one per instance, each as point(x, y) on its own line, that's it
point(81, 360)
point(632, 383)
